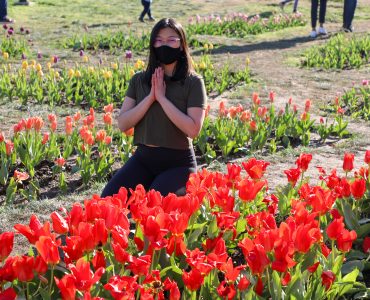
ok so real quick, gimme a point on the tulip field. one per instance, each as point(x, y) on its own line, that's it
point(280, 205)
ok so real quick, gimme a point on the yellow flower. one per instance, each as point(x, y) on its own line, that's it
point(202, 65)
point(114, 66)
point(48, 65)
point(38, 67)
point(78, 74)
point(210, 46)
point(85, 58)
point(24, 64)
point(107, 74)
point(40, 73)
point(56, 74)
point(5, 55)
point(205, 46)
point(71, 72)
point(132, 72)
point(139, 64)
point(33, 62)
point(247, 61)
point(91, 69)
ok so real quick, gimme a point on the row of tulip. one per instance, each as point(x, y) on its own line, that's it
point(219, 241)
point(241, 25)
point(339, 52)
point(12, 43)
point(237, 129)
point(93, 86)
point(83, 147)
point(92, 151)
point(354, 102)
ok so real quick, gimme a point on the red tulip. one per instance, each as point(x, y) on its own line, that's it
point(367, 157)
point(140, 265)
point(48, 250)
point(248, 189)
point(293, 175)
point(8, 294)
point(366, 244)
point(193, 279)
point(335, 228)
point(66, 286)
point(34, 230)
point(243, 283)
point(346, 239)
point(98, 260)
point(60, 225)
point(303, 161)
point(313, 268)
point(358, 188)
point(23, 267)
point(328, 278)
point(122, 287)
point(348, 162)
point(84, 278)
point(226, 290)
point(6, 244)
point(255, 168)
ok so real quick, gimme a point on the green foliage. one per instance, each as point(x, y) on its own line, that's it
point(339, 52)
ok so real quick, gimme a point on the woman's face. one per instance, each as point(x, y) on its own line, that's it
point(167, 36)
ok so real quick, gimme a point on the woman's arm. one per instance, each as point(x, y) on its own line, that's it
point(189, 123)
point(131, 114)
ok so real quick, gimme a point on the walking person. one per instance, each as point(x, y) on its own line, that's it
point(166, 106)
point(295, 4)
point(314, 12)
point(4, 12)
point(348, 14)
point(146, 10)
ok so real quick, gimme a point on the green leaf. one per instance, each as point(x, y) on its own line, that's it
point(276, 285)
point(350, 266)
point(348, 280)
point(363, 231)
point(349, 217)
point(212, 230)
point(309, 259)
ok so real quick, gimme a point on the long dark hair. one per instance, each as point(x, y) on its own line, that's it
point(184, 65)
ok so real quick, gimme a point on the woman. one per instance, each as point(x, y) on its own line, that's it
point(166, 106)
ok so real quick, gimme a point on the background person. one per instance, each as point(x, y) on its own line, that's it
point(295, 4)
point(348, 14)
point(166, 106)
point(4, 12)
point(314, 12)
point(146, 10)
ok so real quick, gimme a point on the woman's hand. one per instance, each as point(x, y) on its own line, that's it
point(159, 84)
point(151, 95)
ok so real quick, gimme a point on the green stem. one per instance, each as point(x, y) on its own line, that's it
point(51, 280)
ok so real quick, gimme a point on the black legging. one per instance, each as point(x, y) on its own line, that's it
point(146, 9)
point(314, 7)
point(162, 169)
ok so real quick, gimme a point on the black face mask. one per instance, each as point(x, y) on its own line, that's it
point(167, 55)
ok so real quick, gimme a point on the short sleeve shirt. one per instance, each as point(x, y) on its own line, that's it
point(155, 128)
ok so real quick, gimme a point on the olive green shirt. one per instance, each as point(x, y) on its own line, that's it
point(155, 128)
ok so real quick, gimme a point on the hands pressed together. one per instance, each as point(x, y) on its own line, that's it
point(158, 90)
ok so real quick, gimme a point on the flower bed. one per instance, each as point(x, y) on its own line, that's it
point(240, 25)
point(227, 238)
point(89, 85)
point(354, 102)
point(339, 53)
